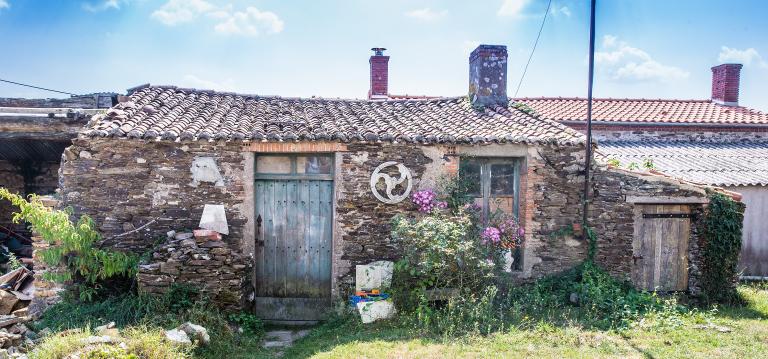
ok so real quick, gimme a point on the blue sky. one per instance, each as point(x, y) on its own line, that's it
point(649, 48)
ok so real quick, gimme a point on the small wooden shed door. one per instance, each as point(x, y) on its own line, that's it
point(660, 247)
point(294, 214)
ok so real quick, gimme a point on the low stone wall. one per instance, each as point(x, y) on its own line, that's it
point(210, 266)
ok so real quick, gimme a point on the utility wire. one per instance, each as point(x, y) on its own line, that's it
point(534, 48)
point(39, 88)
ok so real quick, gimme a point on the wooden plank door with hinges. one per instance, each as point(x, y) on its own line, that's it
point(294, 213)
point(660, 247)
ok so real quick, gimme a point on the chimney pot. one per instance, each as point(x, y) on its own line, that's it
point(725, 84)
point(379, 75)
point(488, 76)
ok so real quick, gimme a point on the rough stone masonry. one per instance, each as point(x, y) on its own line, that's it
point(124, 184)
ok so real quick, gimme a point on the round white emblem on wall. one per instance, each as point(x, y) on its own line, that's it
point(391, 182)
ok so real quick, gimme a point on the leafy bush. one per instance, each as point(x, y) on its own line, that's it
point(723, 222)
point(73, 245)
point(249, 323)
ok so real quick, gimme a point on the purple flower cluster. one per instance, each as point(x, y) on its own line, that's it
point(508, 233)
point(425, 199)
point(491, 234)
point(511, 228)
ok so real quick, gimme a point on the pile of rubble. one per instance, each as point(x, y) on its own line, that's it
point(15, 295)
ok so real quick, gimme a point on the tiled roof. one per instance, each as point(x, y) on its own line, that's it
point(170, 113)
point(719, 164)
point(645, 110)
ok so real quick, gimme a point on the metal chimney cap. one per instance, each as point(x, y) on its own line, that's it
point(378, 51)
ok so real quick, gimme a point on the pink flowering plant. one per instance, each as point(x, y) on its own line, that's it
point(449, 245)
point(504, 231)
point(427, 201)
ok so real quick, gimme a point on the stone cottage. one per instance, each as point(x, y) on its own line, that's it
point(310, 185)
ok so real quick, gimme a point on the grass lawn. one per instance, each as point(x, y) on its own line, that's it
point(748, 338)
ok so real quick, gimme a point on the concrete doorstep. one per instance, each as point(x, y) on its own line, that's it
point(282, 338)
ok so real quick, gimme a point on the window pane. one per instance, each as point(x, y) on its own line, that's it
point(502, 179)
point(273, 164)
point(470, 174)
point(314, 164)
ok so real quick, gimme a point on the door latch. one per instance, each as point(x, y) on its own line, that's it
point(259, 240)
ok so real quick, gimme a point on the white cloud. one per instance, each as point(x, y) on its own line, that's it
point(746, 57)
point(176, 12)
point(250, 22)
point(623, 62)
point(512, 7)
point(197, 82)
point(426, 14)
point(560, 10)
point(4, 4)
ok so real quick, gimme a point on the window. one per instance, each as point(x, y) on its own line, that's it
point(294, 166)
point(313, 164)
point(273, 164)
point(495, 184)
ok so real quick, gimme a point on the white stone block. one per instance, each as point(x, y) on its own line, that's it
point(214, 218)
point(373, 311)
point(376, 275)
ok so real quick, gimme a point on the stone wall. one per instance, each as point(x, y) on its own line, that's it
point(24, 179)
point(612, 216)
point(10, 178)
point(207, 264)
point(123, 184)
point(362, 220)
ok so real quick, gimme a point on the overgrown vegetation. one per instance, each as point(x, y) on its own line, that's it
point(547, 332)
point(140, 342)
point(150, 314)
point(723, 222)
point(73, 245)
point(453, 247)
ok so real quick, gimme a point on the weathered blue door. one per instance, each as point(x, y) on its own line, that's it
point(294, 212)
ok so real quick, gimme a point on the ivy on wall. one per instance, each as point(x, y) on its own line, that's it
point(722, 228)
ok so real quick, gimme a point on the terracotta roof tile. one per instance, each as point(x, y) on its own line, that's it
point(644, 110)
point(170, 113)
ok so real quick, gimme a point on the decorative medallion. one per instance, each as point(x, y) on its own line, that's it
point(391, 182)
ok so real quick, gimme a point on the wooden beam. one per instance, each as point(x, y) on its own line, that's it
point(667, 200)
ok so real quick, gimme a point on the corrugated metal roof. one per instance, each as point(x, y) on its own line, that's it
point(712, 163)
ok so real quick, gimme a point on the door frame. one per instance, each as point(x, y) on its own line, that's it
point(251, 158)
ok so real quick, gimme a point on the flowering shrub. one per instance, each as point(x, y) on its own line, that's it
point(426, 200)
point(442, 250)
point(491, 235)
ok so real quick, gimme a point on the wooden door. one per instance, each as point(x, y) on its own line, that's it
point(660, 247)
point(294, 214)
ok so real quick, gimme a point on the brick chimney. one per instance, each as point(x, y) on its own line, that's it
point(379, 75)
point(725, 84)
point(488, 76)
